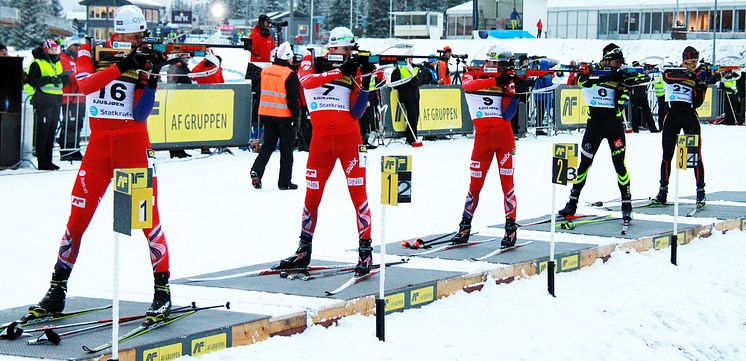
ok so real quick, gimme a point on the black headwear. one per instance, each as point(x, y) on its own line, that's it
point(690, 53)
point(263, 18)
point(613, 52)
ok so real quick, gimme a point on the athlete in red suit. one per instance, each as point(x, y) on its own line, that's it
point(118, 101)
point(490, 98)
point(335, 103)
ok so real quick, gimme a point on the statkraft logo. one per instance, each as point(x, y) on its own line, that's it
point(314, 105)
point(94, 111)
point(480, 114)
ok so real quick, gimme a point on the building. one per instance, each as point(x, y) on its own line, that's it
point(418, 24)
point(100, 15)
point(656, 19)
point(494, 18)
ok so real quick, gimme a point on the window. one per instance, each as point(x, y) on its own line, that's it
point(613, 23)
point(419, 20)
point(452, 26)
point(714, 21)
point(634, 23)
point(667, 21)
point(741, 20)
point(469, 25)
point(623, 23)
point(703, 18)
point(646, 17)
point(98, 12)
point(691, 20)
point(681, 19)
point(655, 25)
point(727, 21)
point(460, 25)
point(403, 20)
point(303, 30)
point(603, 23)
point(433, 20)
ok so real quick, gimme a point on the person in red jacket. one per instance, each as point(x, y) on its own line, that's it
point(74, 105)
point(539, 27)
point(490, 96)
point(118, 102)
point(262, 44)
point(336, 102)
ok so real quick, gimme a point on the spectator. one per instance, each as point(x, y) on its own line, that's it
point(640, 107)
point(409, 98)
point(178, 75)
point(74, 102)
point(278, 108)
point(539, 27)
point(543, 101)
point(514, 17)
point(428, 74)
point(3, 50)
point(444, 76)
point(210, 63)
point(46, 78)
point(368, 121)
point(262, 43)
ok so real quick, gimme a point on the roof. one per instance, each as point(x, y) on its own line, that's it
point(640, 4)
point(465, 8)
point(149, 4)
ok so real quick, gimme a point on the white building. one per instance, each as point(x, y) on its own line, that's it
point(494, 15)
point(655, 19)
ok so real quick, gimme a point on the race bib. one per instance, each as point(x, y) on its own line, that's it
point(113, 101)
point(599, 97)
point(334, 95)
point(484, 105)
point(678, 93)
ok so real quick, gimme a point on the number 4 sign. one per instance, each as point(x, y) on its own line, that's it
point(687, 151)
point(564, 163)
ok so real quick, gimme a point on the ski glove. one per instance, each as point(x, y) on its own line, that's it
point(349, 68)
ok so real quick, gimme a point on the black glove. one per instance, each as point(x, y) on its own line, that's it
point(349, 68)
point(366, 82)
point(128, 63)
point(503, 79)
point(153, 79)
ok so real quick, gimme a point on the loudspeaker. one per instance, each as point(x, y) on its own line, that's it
point(10, 140)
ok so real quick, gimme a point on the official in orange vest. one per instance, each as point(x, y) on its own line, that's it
point(278, 111)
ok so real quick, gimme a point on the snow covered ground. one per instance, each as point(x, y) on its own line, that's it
point(636, 306)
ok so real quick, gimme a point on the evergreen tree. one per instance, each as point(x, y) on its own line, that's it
point(34, 30)
point(378, 22)
point(57, 9)
point(303, 7)
point(276, 5)
point(238, 9)
point(340, 16)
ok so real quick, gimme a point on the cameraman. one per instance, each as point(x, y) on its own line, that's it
point(262, 43)
point(444, 75)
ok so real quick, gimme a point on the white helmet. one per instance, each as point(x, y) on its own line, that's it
point(129, 19)
point(212, 58)
point(284, 51)
point(341, 36)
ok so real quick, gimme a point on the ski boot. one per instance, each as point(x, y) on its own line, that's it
point(161, 306)
point(572, 205)
point(626, 210)
point(54, 300)
point(511, 234)
point(365, 258)
point(701, 200)
point(464, 230)
point(301, 258)
point(256, 182)
point(661, 198)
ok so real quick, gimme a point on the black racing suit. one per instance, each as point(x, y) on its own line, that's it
point(605, 98)
point(684, 94)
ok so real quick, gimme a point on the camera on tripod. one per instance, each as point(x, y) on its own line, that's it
point(278, 24)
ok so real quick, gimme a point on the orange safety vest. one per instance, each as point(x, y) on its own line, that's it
point(273, 101)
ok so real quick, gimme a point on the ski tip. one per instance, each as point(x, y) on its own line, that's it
point(405, 244)
point(329, 293)
point(194, 304)
point(418, 243)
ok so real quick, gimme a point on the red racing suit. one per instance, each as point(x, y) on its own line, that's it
point(490, 104)
point(335, 104)
point(118, 105)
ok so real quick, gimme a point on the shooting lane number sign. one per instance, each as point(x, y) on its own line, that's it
point(564, 163)
point(133, 199)
point(396, 180)
point(687, 151)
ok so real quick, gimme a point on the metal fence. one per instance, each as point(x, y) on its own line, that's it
point(72, 132)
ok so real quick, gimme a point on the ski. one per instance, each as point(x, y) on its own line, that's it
point(625, 227)
point(306, 276)
point(420, 243)
point(351, 282)
point(573, 224)
point(11, 330)
point(615, 200)
point(501, 251)
point(695, 211)
point(148, 326)
point(269, 271)
point(49, 334)
point(453, 246)
point(558, 218)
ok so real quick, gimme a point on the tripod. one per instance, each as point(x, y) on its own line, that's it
point(457, 77)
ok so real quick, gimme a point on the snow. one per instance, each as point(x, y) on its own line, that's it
point(637, 306)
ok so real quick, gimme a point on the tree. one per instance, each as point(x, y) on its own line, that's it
point(340, 16)
point(57, 9)
point(378, 22)
point(34, 29)
point(303, 7)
